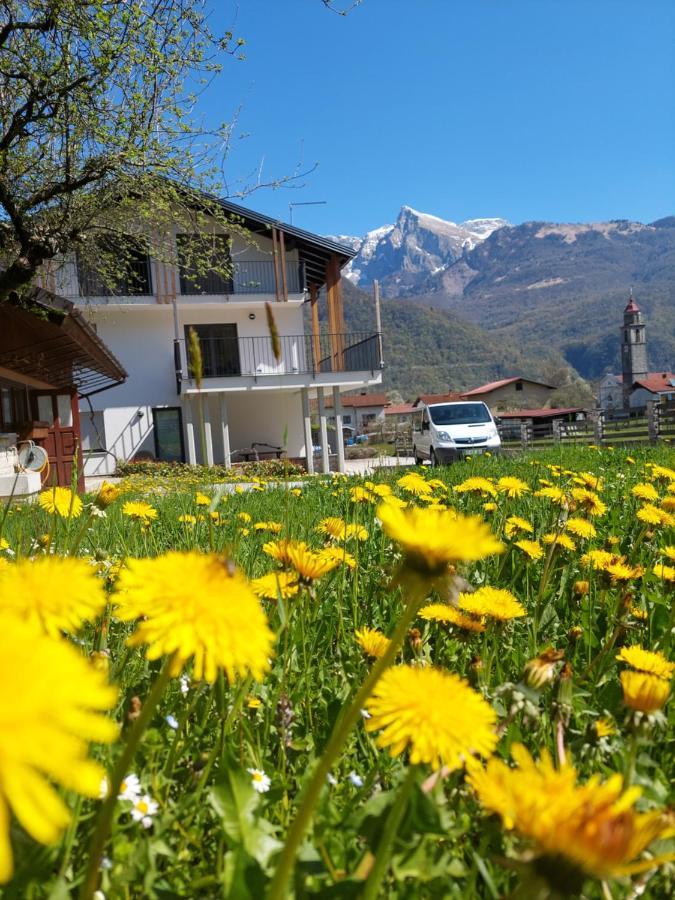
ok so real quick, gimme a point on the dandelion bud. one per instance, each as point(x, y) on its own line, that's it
point(107, 494)
point(540, 670)
point(134, 709)
point(415, 638)
point(575, 632)
point(581, 588)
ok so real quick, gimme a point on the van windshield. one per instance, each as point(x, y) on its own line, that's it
point(459, 414)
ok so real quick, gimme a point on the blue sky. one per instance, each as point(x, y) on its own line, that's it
point(527, 109)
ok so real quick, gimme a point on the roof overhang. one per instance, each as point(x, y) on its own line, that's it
point(45, 339)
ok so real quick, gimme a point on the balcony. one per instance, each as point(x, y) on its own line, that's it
point(248, 277)
point(302, 354)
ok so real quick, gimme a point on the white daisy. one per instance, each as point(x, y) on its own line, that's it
point(184, 684)
point(144, 809)
point(259, 781)
point(130, 789)
point(355, 779)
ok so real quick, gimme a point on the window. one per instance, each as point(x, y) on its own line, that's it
point(92, 430)
point(168, 432)
point(134, 279)
point(519, 385)
point(346, 420)
point(460, 414)
point(220, 349)
point(196, 257)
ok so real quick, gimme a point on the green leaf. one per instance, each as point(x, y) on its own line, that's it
point(234, 801)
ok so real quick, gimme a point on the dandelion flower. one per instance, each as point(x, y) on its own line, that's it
point(540, 670)
point(477, 485)
point(590, 501)
point(275, 584)
point(645, 491)
point(139, 511)
point(260, 782)
point(52, 706)
point(642, 692)
point(493, 602)
point(274, 527)
point(310, 564)
point(593, 825)
point(649, 661)
point(432, 713)
point(202, 499)
point(604, 728)
point(107, 494)
point(665, 573)
point(514, 524)
point(512, 487)
point(581, 588)
point(361, 495)
point(444, 612)
point(61, 593)
point(554, 494)
point(193, 605)
point(372, 642)
point(432, 539)
point(333, 526)
point(533, 549)
point(338, 555)
point(61, 501)
point(279, 550)
point(414, 484)
point(560, 540)
point(652, 515)
point(187, 519)
point(581, 527)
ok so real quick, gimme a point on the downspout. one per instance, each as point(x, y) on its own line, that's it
point(177, 361)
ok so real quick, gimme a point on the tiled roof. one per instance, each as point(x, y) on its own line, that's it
point(657, 382)
point(399, 409)
point(494, 385)
point(438, 398)
point(539, 413)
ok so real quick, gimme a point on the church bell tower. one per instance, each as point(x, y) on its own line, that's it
point(633, 347)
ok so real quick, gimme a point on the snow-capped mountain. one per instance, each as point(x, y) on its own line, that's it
point(402, 255)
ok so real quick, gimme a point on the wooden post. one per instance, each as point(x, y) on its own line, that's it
point(653, 415)
point(339, 437)
point(316, 327)
point(325, 449)
point(336, 322)
point(282, 264)
point(307, 424)
point(208, 437)
point(189, 430)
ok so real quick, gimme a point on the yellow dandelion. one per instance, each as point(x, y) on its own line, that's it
point(59, 593)
point(433, 714)
point(512, 487)
point(642, 692)
point(669, 552)
point(297, 492)
point(490, 506)
point(193, 605)
point(668, 503)
point(619, 570)
point(414, 484)
point(380, 490)
point(604, 728)
point(496, 603)
point(244, 517)
point(372, 642)
point(598, 559)
point(540, 670)
point(332, 526)
point(61, 501)
point(581, 588)
point(477, 485)
point(361, 495)
point(593, 825)
point(443, 612)
point(107, 494)
point(273, 527)
point(339, 555)
point(533, 549)
point(515, 524)
point(274, 584)
point(187, 519)
point(279, 550)
point(590, 501)
point(554, 494)
point(640, 614)
point(432, 539)
point(310, 564)
point(51, 711)
point(560, 540)
point(645, 491)
point(652, 515)
point(202, 499)
point(649, 661)
point(581, 527)
point(665, 573)
point(662, 473)
point(139, 511)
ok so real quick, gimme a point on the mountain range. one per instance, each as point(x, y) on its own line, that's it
point(538, 294)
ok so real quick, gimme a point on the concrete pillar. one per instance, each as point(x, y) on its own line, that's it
point(225, 425)
point(208, 436)
point(307, 423)
point(189, 430)
point(325, 449)
point(337, 408)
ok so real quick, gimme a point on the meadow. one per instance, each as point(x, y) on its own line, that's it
point(430, 684)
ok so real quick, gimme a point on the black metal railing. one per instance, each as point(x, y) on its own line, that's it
point(247, 277)
point(301, 354)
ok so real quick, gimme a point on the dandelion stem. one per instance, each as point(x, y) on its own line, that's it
point(104, 820)
point(335, 744)
point(381, 864)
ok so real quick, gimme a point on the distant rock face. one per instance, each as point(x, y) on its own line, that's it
point(402, 256)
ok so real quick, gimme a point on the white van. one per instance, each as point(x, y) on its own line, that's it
point(444, 432)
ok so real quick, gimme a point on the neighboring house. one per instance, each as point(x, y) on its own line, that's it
point(511, 394)
point(50, 360)
point(250, 402)
point(399, 412)
point(361, 411)
point(654, 386)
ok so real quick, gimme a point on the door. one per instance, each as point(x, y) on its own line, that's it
point(62, 415)
point(220, 349)
point(168, 431)
point(423, 437)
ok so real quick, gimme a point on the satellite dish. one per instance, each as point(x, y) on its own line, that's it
point(32, 457)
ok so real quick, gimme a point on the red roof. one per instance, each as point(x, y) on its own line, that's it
point(657, 382)
point(399, 409)
point(494, 385)
point(632, 306)
point(438, 398)
point(359, 400)
point(539, 413)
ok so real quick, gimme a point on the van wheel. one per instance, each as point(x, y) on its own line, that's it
point(432, 459)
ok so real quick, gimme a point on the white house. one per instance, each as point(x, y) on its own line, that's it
point(249, 401)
